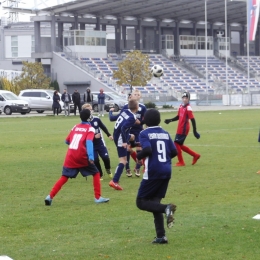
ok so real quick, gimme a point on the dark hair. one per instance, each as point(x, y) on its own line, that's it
point(186, 94)
point(85, 115)
point(55, 92)
point(132, 104)
point(152, 117)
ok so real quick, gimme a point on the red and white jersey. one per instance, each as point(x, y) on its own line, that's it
point(76, 156)
point(185, 114)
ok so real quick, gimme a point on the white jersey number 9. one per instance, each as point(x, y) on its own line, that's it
point(161, 151)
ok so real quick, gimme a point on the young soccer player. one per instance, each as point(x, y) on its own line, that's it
point(158, 149)
point(100, 148)
point(184, 115)
point(124, 122)
point(135, 130)
point(79, 158)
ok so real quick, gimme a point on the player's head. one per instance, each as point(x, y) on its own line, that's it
point(85, 115)
point(87, 106)
point(152, 117)
point(133, 105)
point(185, 97)
point(136, 94)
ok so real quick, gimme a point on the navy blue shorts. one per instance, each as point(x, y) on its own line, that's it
point(179, 139)
point(85, 171)
point(153, 188)
point(101, 151)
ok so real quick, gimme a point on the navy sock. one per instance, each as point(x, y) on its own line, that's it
point(118, 172)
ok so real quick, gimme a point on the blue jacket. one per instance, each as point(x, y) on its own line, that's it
point(101, 98)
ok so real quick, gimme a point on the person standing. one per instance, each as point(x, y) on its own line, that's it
point(56, 103)
point(101, 102)
point(184, 115)
point(88, 97)
point(76, 101)
point(79, 158)
point(65, 97)
point(158, 150)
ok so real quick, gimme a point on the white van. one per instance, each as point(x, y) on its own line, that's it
point(41, 99)
point(10, 103)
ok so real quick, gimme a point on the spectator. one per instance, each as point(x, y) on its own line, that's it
point(101, 102)
point(76, 101)
point(65, 97)
point(56, 103)
point(88, 97)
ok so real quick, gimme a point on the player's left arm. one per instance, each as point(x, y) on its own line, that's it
point(103, 127)
point(89, 144)
point(193, 121)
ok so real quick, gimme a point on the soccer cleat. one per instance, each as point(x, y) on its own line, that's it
point(195, 159)
point(128, 173)
point(109, 173)
point(137, 172)
point(160, 240)
point(86, 178)
point(178, 164)
point(48, 201)
point(115, 185)
point(258, 172)
point(169, 211)
point(102, 200)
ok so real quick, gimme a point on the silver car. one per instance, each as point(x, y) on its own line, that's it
point(41, 99)
point(118, 101)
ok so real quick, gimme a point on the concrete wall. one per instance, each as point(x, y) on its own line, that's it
point(241, 100)
point(67, 72)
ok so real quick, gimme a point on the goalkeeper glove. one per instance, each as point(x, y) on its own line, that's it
point(196, 134)
point(167, 121)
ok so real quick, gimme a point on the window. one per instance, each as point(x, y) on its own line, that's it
point(14, 46)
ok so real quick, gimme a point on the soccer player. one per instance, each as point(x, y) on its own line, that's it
point(157, 149)
point(100, 148)
point(135, 130)
point(79, 158)
point(122, 136)
point(184, 115)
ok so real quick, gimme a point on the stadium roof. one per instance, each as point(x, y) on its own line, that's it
point(176, 10)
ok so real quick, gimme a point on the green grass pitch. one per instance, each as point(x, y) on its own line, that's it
point(216, 198)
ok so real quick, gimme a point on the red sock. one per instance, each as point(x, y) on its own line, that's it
point(179, 155)
point(57, 186)
point(97, 185)
point(186, 149)
point(133, 155)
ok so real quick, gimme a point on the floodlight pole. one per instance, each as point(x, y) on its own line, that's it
point(206, 42)
point(226, 50)
point(247, 47)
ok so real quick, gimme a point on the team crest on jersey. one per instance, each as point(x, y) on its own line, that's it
point(95, 123)
point(139, 109)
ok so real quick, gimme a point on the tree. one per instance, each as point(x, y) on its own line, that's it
point(55, 85)
point(133, 70)
point(6, 84)
point(32, 76)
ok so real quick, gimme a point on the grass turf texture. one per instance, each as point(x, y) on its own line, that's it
point(216, 198)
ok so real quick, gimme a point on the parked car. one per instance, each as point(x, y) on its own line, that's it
point(41, 99)
point(118, 101)
point(10, 103)
point(108, 103)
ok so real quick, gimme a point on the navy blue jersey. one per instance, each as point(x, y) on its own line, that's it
point(97, 124)
point(139, 115)
point(123, 125)
point(158, 165)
